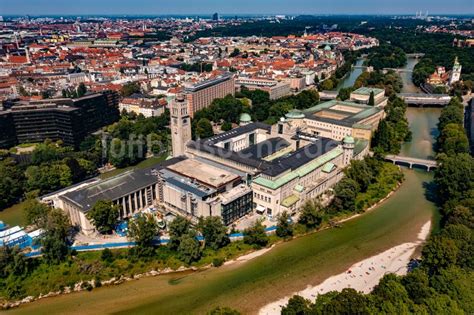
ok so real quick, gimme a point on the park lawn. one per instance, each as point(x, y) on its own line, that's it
point(14, 215)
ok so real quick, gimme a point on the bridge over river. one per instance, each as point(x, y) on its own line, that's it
point(420, 99)
point(410, 161)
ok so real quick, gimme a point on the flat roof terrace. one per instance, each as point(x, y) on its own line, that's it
point(204, 173)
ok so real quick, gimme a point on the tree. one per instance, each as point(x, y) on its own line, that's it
point(104, 215)
point(439, 252)
point(327, 85)
point(35, 212)
point(130, 88)
point(234, 53)
point(226, 126)
point(284, 226)
point(255, 235)
point(311, 214)
point(177, 228)
point(204, 129)
point(12, 262)
point(297, 305)
point(453, 140)
point(107, 255)
point(451, 175)
point(345, 93)
point(54, 239)
point(348, 301)
point(189, 249)
point(371, 99)
point(142, 230)
point(417, 285)
point(11, 182)
point(451, 114)
point(214, 232)
point(81, 90)
point(345, 195)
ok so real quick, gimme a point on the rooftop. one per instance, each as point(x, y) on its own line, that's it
point(368, 90)
point(203, 173)
point(115, 187)
point(341, 113)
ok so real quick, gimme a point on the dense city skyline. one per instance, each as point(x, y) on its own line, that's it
point(39, 7)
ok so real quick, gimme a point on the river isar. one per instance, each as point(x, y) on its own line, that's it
point(287, 268)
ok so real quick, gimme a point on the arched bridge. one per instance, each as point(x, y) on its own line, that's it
point(405, 160)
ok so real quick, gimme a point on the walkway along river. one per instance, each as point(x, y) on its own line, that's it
point(287, 268)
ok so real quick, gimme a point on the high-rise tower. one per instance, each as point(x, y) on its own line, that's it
point(180, 125)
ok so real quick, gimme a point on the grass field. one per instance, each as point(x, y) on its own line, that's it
point(14, 215)
point(287, 268)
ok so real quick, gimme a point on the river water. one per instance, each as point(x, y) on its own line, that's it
point(287, 268)
point(423, 121)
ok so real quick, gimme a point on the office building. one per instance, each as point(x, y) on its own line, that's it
point(274, 88)
point(7, 130)
point(69, 120)
point(202, 94)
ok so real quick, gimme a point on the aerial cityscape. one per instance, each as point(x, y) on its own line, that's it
point(264, 157)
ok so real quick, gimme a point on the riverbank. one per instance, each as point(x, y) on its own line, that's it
point(288, 267)
point(74, 278)
point(362, 276)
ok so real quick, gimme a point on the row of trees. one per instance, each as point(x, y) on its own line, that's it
point(393, 130)
point(452, 138)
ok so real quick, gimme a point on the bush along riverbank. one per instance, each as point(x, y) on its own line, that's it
point(366, 183)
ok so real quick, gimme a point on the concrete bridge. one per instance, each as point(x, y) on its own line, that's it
point(420, 99)
point(398, 70)
point(415, 55)
point(405, 160)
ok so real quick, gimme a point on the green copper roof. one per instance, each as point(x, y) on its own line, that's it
point(245, 117)
point(328, 167)
point(360, 145)
point(299, 188)
point(294, 114)
point(348, 140)
point(300, 172)
point(290, 200)
point(367, 90)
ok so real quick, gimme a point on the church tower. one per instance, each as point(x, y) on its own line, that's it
point(456, 72)
point(180, 125)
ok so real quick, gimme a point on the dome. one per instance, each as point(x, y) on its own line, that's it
point(327, 48)
point(245, 118)
point(294, 114)
point(348, 140)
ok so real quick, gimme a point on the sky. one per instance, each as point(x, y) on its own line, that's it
point(183, 7)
